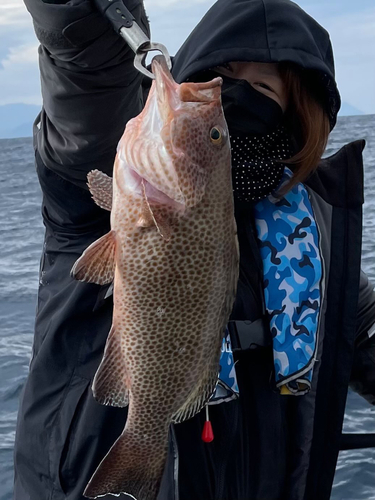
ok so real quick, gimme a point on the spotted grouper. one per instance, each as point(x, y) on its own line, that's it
point(172, 254)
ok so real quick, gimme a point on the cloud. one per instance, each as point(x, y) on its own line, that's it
point(173, 20)
point(353, 39)
point(350, 24)
point(19, 80)
point(19, 72)
point(24, 54)
point(13, 13)
point(334, 7)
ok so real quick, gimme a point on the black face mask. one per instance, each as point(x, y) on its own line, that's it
point(259, 140)
point(257, 163)
point(248, 111)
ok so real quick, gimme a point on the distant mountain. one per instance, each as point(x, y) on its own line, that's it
point(349, 110)
point(16, 120)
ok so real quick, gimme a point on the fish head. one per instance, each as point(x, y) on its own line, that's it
point(179, 140)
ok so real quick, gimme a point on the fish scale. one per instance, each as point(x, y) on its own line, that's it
point(175, 260)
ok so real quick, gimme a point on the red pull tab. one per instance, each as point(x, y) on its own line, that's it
point(207, 433)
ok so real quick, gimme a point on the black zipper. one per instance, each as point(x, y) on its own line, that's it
point(226, 446)
point(175, 463)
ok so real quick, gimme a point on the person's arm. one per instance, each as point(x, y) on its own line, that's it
point(90, 87)
point(363, 372)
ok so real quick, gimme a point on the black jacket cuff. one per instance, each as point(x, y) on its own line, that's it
point(69, 25)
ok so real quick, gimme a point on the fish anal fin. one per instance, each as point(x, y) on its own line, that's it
point(100, 186)
point(97, 263)
point(198, 398)
point(110, 385)
point(133, 466)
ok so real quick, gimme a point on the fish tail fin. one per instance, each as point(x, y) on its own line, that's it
point(134, 466)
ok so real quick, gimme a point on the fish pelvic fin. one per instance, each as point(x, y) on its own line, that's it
point(97, 263)
point(133, 466)
point(146, 219)
point(100, 186)
point(110, 385)
point(198, 398)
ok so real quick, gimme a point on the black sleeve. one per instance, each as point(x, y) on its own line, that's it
point(363, 371)
point(90, 87)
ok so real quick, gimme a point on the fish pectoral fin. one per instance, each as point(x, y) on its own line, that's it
point(133, 466)
point(198, 398)
point(97, 263)
point(110, 386)
point(152, 215)
point(100, 186)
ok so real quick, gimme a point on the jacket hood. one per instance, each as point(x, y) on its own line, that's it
point(261, 31)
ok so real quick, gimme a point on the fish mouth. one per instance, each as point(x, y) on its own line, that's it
point(167, 90)
point(173, 96)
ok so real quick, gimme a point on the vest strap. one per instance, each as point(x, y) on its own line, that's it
point(247, 335)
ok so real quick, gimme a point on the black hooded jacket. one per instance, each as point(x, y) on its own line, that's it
point(262, 31)
point(267, 446)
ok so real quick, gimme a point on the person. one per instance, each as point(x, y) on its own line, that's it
point(279, 90)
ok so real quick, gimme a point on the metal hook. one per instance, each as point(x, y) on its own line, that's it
point(141, 45)
point(140, 58)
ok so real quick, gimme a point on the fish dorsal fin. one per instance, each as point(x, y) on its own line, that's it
point(151, 214)
point(100, 186)
point(97, 263)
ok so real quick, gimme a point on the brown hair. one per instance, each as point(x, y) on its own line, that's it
point(305, 119)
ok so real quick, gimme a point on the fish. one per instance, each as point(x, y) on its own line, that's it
point(172, 254)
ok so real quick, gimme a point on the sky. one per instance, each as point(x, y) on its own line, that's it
point(351, 24)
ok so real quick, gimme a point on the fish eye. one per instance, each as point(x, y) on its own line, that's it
point(216, 136)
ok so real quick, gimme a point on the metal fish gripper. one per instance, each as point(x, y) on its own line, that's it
point(125, 25)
